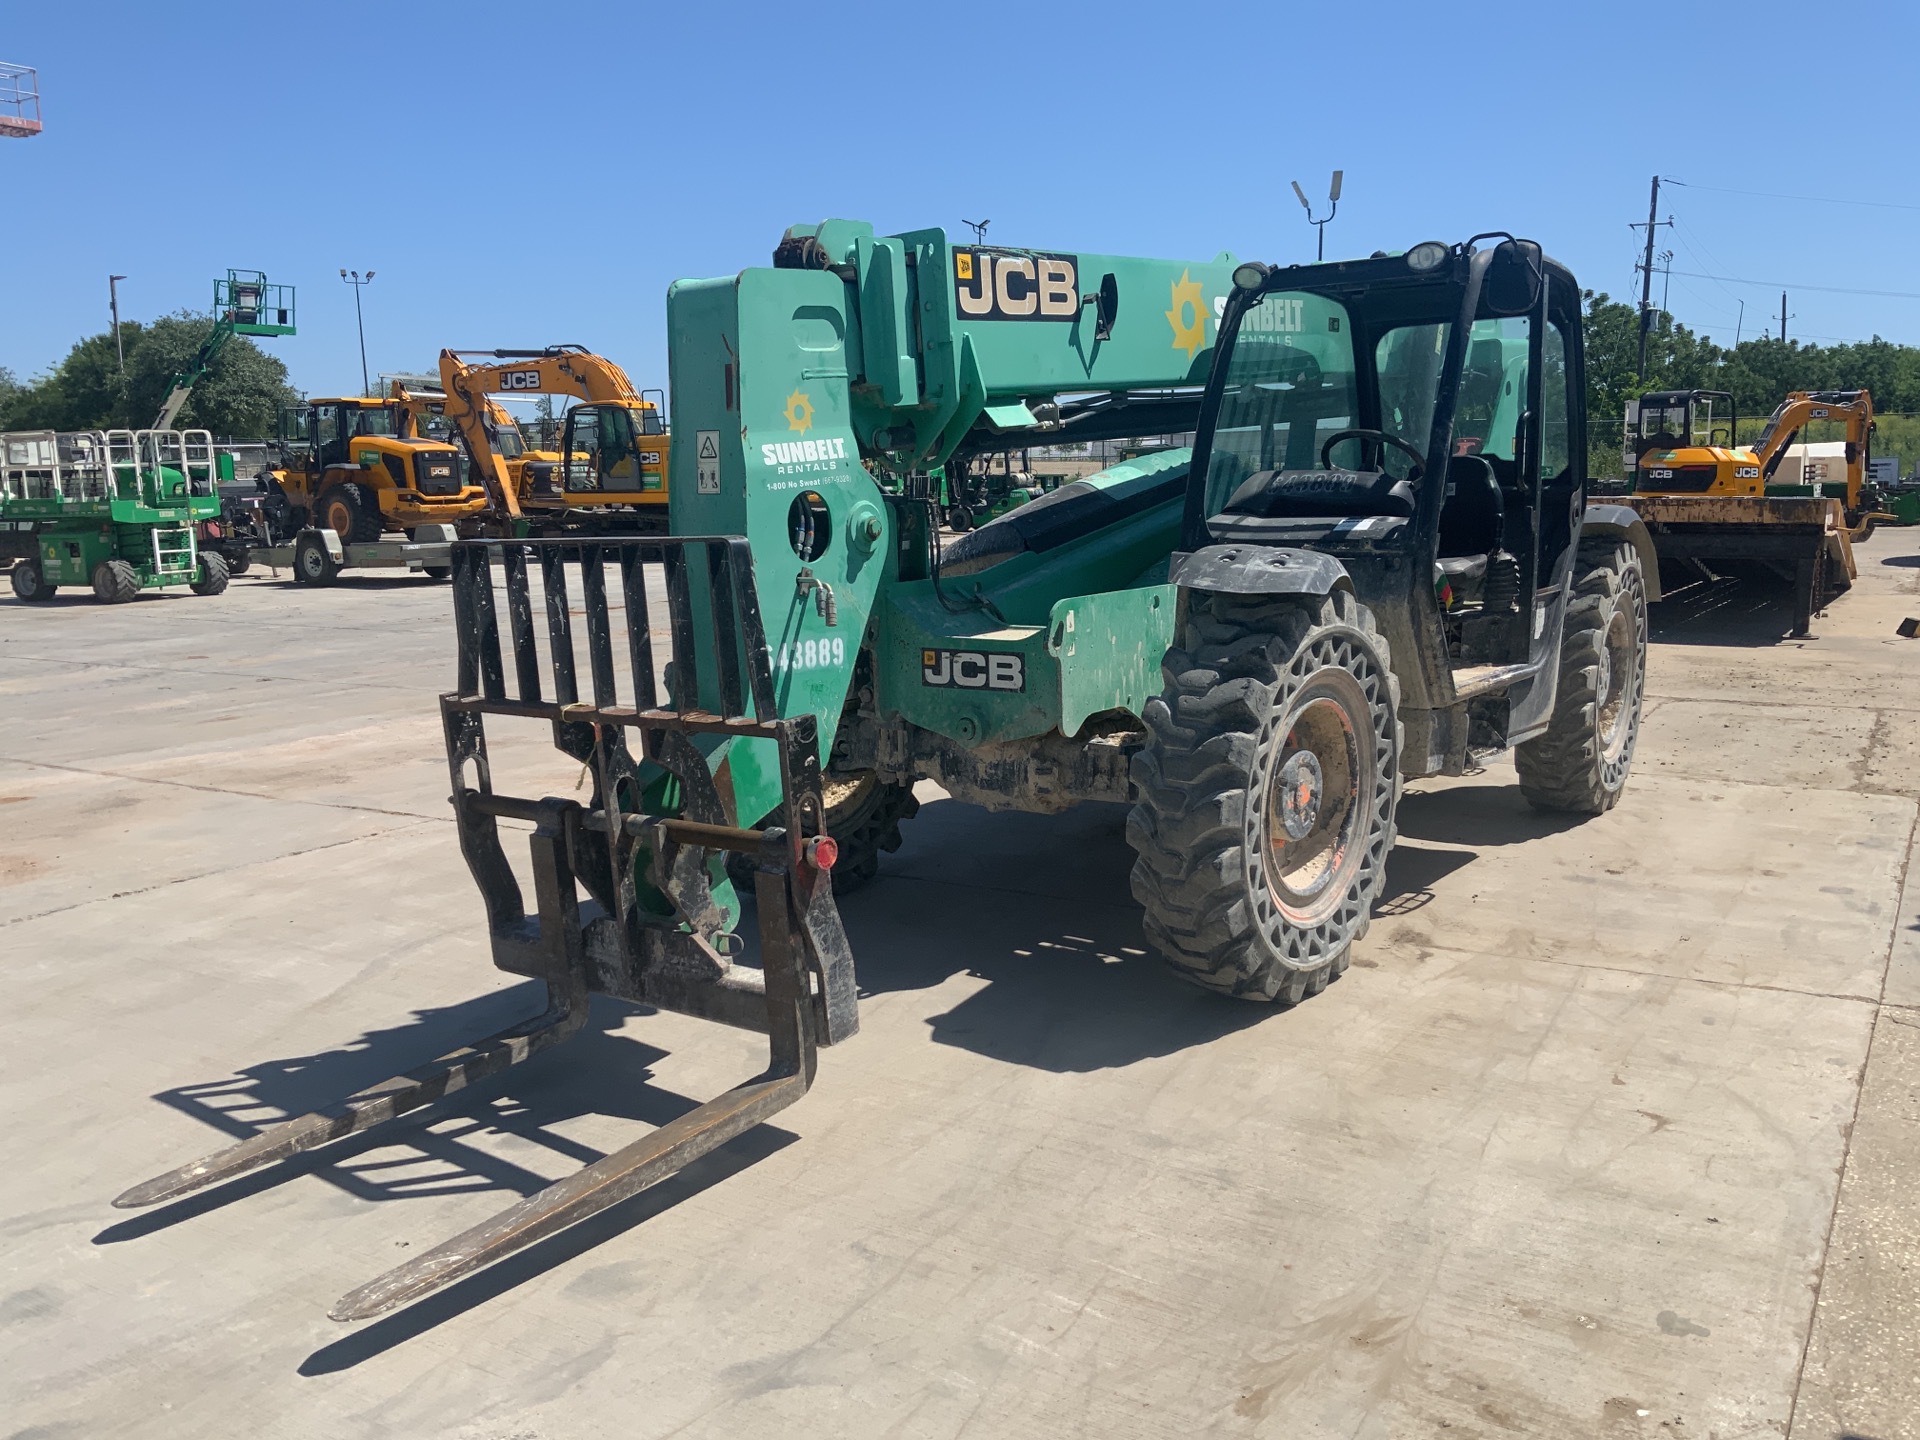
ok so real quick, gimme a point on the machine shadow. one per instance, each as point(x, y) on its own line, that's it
point(1748, 610)
point(428, 1152)
point(1039, 909)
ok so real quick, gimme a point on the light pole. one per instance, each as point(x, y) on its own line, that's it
point(1333, 202)
point(113, 303)
point(359, 283)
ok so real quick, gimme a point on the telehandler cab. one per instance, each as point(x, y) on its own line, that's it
point(1375, 562)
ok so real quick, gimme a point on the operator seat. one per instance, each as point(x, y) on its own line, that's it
point(1473, 520)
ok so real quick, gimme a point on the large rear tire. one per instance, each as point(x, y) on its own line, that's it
point(115, 582)
point(1581, 763)
point(1266, 792)
point(30, 581)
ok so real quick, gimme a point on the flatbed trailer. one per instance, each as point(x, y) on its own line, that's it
point(317, 556)
point(1805, 538)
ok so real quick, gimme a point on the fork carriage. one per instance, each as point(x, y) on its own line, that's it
point(657, 923)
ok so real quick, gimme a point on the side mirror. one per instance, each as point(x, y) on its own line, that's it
point(1514, 279)
point(1106, 306)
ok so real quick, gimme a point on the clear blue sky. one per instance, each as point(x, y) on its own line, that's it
point(526, 174)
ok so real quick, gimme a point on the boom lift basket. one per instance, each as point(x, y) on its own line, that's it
point(617, 941)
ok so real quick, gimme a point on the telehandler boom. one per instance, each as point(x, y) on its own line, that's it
point(1358, 572)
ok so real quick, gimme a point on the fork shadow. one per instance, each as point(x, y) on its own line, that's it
point(434, 1151)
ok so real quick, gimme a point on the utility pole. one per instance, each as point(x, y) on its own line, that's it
point(113, 303)
point(360, 284)
point(1739, 324)
point(1646, 274)
point(1783, 317)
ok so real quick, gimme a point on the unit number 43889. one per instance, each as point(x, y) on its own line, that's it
point(811, 654)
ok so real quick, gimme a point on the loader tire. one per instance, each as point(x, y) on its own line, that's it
point(1581, 763)
point(30, 581)
point(239, 562)
point(351, 513)
point(213, 575)
point(438, 572)
point(115, 582)
point(1266, 792)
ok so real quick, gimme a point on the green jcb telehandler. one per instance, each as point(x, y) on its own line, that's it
point(1374, 562)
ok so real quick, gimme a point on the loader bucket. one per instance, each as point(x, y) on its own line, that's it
point(1804, 539)
point(650, 928)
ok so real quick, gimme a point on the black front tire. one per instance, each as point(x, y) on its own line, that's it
point(1580, 765)
point(30, 582)
point(864, 814)
point(115, 582)
point(438, 572)
point(1258, 868)
point(213, 575)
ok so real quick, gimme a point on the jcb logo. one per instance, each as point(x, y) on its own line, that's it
point(972, 670)
point(519, 379)
point(999, 285)
point(1746, 472)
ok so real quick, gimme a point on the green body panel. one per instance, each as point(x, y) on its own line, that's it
point(1090, 620)
point(828, 383)
point(70, 550)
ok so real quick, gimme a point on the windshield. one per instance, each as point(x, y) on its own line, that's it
point(1290, 384)
point(1486, 418)
point(374, 422)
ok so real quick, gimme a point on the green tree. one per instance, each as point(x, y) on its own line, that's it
point(237, 398)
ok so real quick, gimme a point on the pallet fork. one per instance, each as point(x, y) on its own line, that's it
point(619, 942)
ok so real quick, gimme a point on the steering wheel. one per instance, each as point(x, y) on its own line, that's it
point(1379, 437)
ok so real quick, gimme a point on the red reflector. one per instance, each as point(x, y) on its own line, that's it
point(822, 851)
point(213, 529)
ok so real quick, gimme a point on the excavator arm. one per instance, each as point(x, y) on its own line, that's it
point(1855, 407)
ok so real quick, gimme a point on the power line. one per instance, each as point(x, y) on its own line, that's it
point(1803, 199)
point(1790, 285)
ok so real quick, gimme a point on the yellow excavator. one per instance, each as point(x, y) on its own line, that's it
point(609, 475)
point(1705, 498)
point(1684, 445)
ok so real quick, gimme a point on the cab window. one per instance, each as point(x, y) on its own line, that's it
point(1290, 385)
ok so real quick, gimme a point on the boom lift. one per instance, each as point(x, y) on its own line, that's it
point(1706, 499)
point(610, 474)
point(243, 304)
point(1348, 580)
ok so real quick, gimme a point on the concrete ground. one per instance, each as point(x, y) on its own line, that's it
point(1611, 1131)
